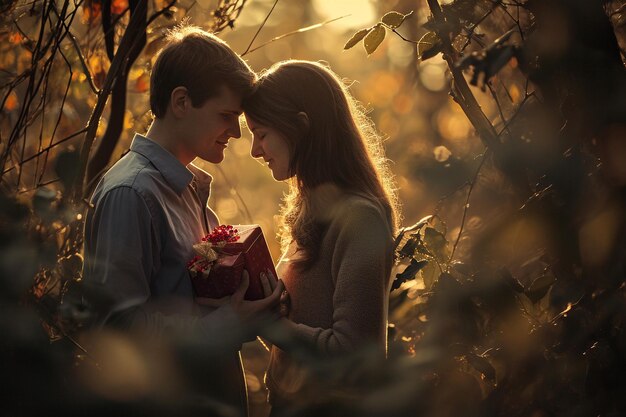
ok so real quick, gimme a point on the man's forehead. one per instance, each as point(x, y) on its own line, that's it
point(230, 101)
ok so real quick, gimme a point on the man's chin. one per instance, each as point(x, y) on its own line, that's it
point(215, 158)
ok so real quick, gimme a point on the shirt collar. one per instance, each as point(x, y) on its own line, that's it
point(203, 181)
point(175, 173)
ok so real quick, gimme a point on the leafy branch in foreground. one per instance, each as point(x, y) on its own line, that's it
point(373, 36)
point(519, 326)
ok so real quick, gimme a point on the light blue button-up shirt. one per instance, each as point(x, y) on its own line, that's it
point(140, 234)
point(148, 211)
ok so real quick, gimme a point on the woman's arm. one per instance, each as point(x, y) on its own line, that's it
point(360, 269)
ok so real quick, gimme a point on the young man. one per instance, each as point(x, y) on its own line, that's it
point(151, 207)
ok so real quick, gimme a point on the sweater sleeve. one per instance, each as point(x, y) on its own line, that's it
point(360, 268)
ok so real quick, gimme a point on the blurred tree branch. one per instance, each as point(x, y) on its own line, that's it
point(130, 46)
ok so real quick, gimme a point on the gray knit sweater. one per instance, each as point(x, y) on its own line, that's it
point(340, 304)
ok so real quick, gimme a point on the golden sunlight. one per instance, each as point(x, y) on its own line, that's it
point(359, 13)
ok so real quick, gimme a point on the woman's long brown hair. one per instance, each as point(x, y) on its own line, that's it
point(331, 141)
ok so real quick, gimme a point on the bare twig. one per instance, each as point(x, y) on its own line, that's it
point(504, 7)
point(472, 29)
point(260, 28)
point(517, 112)
point(58, 121)
point(466, 206)
point(301, 30)
point(73, 135)
point(495, 98)
point(39, 184)
point(81, 58)
point(403, 38)
point(36, 78)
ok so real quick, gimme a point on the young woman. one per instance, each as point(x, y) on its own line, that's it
point(338, 219)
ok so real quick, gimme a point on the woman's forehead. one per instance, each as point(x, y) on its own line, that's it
point(252, 124)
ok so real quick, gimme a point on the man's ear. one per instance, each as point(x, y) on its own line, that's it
point(179, 101)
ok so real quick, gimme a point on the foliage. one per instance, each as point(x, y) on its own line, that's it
point(516, 336)
point(373, 36)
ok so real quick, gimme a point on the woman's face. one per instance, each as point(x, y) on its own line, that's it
point(269, 144)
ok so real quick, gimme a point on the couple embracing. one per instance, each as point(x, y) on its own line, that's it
point(338, 219)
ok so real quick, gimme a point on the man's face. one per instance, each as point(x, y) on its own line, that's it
point(210, 126)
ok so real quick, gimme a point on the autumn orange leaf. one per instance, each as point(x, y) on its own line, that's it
point(11, 102)
point(142, 84)
point(118, 6)
point(16, 38)
point(91, 12)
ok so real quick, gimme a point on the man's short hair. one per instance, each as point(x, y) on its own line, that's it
point(200, 62)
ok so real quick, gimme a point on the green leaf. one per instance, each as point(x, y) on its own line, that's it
point(71, 265)
point(408, 274)
point(414, 230)
point(374, 38)
point(430, 274)
point(526, 303)
point(417, 226)
point(462, 269)
point(428, 46)
point(409, 248)
point(510, 280)
point(394, 19)
point(540, 286)
point(482, 365)
point(448, 284)
point(437, 244)
point(438, 224)
point(423, 250)
point(356, 38)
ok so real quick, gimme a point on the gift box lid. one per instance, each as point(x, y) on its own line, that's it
point(248, 234)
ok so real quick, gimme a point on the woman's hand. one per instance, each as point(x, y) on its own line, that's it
point(245, 309)
point(285, 301)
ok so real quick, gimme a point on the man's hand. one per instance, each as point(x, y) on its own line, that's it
point(246, 310)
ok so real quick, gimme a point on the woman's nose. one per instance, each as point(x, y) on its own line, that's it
point(256, 151)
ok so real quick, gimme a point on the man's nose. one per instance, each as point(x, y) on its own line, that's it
point(235, 130)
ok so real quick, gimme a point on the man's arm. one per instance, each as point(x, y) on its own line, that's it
point(121, 251)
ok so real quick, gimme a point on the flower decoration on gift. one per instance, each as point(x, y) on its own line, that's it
point(208, 250)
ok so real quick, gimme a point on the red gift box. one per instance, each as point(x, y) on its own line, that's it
point(249, 251)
